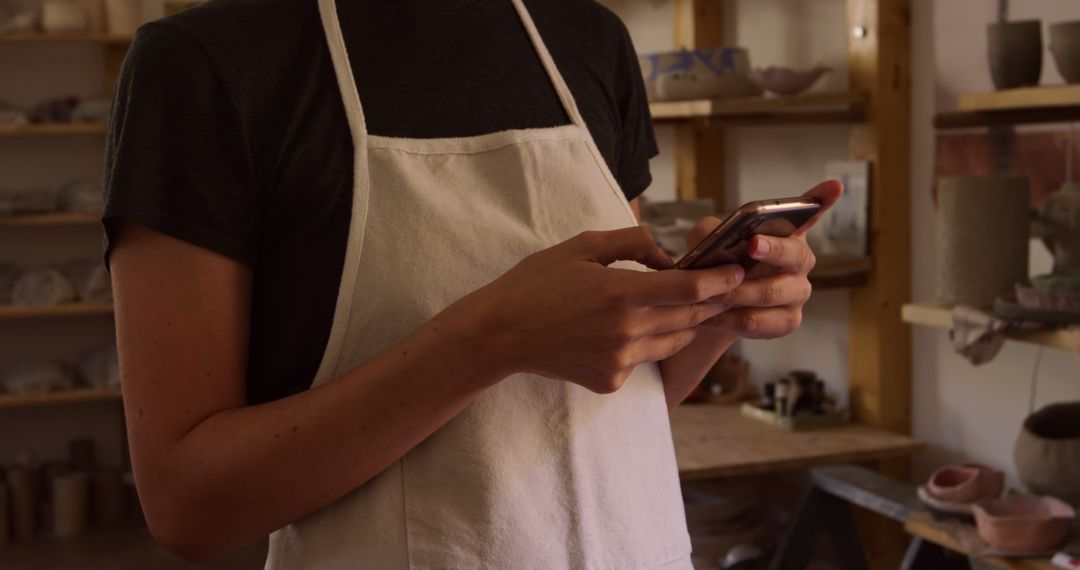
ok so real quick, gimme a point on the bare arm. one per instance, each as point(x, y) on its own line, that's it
point(205, 462)
point(201, 455)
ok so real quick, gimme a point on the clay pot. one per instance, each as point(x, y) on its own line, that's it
point(70, 504)
point(983, 228)
point(1065, 45)
point(966, 483)
point(1015, 50)
point(1047, 451)
point(1023, 522)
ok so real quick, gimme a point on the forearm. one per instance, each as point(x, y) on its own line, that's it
point(684, 370)
point(242, 473)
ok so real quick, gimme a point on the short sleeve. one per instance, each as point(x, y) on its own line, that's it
point(177, 158)
point(638, 141)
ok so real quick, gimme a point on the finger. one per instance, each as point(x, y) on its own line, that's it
point(779, 291)
point(632, 244)
point(676, 286)
point(702, 228)
point(827, 192)
point(758, 323)
point(659, 347)
point(672, 318)
point(787, 254)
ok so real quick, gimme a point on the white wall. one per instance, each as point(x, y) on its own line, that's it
point(963, 412)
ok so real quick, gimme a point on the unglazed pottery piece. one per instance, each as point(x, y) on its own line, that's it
point(1015, 51)
point(983, 228)
point(1047, 451)
point(788, 81)
point(1023, 522)
point(966, 483)
point(940, 509)
point(1065, 45)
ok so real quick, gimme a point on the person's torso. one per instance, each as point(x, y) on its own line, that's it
point(424, 70)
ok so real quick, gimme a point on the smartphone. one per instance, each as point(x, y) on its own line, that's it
point(728, 243)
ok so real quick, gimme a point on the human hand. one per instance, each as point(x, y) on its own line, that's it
point(563, 313)
point(769, 303)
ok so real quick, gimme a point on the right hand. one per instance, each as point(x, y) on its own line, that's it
point(562, 313)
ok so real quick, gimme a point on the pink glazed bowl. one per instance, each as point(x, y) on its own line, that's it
point(1023, 522)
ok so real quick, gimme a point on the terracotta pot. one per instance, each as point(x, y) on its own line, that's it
point(1015, 50)
point(966, 483)
point(1047, 451)
point(1065, 45)
point(1023, 522)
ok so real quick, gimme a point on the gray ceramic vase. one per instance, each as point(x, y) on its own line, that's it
point(1065, 45)
point(1047, 452)
point(1015, 50)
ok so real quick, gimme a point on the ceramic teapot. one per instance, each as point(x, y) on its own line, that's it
point(1057, 222)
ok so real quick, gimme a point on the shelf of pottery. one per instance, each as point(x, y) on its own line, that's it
point(984, 223)
point(56, 335)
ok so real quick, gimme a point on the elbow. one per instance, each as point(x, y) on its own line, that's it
point(186, 530)
point(184, 540)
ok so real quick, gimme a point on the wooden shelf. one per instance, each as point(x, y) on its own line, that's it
point(65, 397)
point(940, 316)
point(67, 310)
point(946, 533)
point(56, 219)
point(718, 441)
point(1054, 103)
point(53, 129)
point(840, 271)
point(100, 39)
point(799, 109)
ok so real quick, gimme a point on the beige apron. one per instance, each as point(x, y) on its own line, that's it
point(536, 473)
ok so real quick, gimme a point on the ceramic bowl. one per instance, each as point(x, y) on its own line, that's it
point(1065, 45)
point(1015, 52)
point(944, 510)
point(697, 74)
point(966, 483)
point(1023, 522)
point(1047, 451)
point(787, 81)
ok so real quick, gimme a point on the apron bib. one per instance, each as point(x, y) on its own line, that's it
point(536, 473)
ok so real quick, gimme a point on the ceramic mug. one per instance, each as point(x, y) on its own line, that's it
point(1065, 45)
point(1015, 51)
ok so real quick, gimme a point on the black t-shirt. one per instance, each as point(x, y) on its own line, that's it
point(228, 131)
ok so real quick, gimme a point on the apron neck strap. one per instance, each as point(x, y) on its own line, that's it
point(567, 98)
point(350, 97)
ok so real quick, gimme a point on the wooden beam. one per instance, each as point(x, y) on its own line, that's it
point(700, 154)
point(879, 353)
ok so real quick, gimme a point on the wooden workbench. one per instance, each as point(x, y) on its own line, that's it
point(945, 534)
point(718, 441)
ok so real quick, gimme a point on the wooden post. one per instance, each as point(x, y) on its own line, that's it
point(879, 39)
point(699, 145)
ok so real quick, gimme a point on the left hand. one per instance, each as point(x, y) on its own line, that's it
point(770, 301)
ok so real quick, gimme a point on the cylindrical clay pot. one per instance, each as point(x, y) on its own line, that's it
point(1065, 45)
point(1015, 51)
point(1047, 452)
point(982, 225)
point(70, 502)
